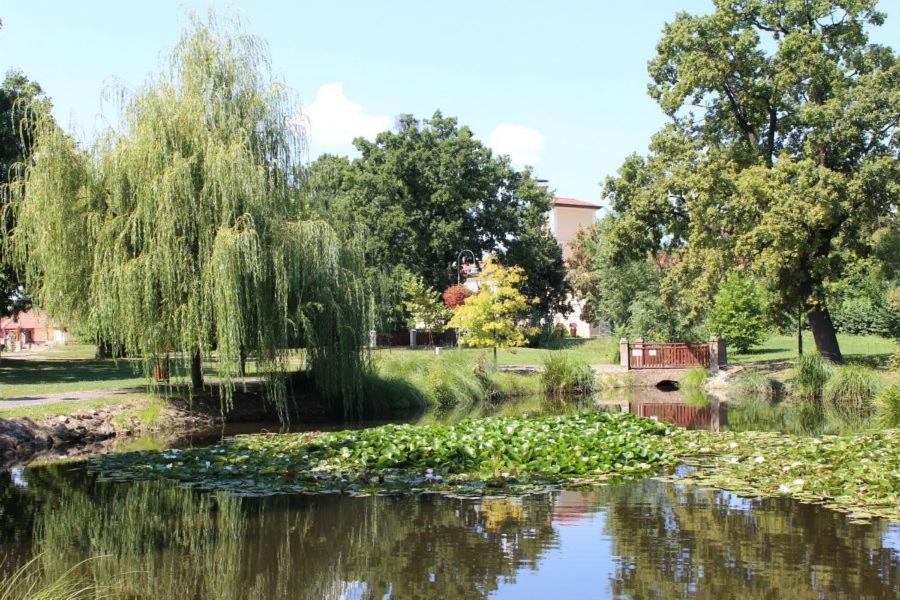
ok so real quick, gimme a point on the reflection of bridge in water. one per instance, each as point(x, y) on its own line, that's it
point(711, 416)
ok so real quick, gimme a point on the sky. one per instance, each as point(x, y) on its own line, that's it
point(560, 86)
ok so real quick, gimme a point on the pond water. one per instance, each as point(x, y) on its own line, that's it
point(643, 539)
point(631, 540)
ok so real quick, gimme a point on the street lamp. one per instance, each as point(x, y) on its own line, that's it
point(459, 264)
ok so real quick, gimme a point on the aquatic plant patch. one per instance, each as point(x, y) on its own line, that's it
point(858, 474)
point(476, 456)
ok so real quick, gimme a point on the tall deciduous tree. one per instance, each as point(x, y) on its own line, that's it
point(18, 96)
point(180, 231)
point(781, 154)
point(428, 189)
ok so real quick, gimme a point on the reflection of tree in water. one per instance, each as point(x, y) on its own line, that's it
point(683, 542)
point(154, 540)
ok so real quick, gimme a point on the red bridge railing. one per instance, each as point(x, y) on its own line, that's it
point(672, 355)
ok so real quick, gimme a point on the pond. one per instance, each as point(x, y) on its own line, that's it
point(648, 538)
point(631, 540)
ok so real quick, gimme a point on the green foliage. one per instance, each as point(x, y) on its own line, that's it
point(780, 155)
point(180, 232)
point(18, 97)
point(447, 381)
point(28, 582)
point(475, 456)
point(738, 312)
point(851, 393)
point(695, 377)
point(888, 406)
point(811, 374)
point(494, 316)
point(428, 189)
point(626, 292)
point(424, 305)
point(754, 385)
point(565, 376)
point(858, 474)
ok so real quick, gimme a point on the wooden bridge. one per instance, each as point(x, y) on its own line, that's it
point(652, 363)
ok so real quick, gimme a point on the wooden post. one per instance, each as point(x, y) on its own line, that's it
point(717, 354)
point(623, 353)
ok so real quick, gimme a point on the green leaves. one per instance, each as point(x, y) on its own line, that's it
point(510, 452)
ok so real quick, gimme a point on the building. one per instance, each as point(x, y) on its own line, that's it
point(31, 327)
point(566, 217)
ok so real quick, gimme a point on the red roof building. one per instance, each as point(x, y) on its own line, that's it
point(32, 326)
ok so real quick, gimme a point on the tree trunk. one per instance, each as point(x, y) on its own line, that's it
point(800, 332)
point(824, 334)
point(103, 350)
point(196, 371)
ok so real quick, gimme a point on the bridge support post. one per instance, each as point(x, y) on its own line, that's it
point(623, 353)
point(718, 356)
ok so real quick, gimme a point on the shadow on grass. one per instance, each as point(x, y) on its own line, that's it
point(31, 372)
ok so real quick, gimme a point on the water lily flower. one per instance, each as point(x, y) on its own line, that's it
point(734, 460)
point(759, 459)
point(429, 471)
point(733, 445)
point(504, 475)
point(786, 468)
point(784, 489)
point(799, 482)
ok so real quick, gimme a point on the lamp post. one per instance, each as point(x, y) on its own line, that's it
point(459, 264)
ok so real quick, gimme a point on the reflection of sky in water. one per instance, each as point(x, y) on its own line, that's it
point(580, 565)
point(18, 477)
point(891, 538)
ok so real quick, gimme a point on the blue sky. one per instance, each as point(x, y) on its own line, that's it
point(558, 85)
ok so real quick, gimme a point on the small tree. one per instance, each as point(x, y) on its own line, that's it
point(424, 305)
point(456, 295)
point(493, 317)
point(738, 312)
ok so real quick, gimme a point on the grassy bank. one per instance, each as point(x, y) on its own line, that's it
point(868, 348)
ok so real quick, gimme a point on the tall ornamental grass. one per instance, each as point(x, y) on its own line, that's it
point(850, 393)
point(564, 376)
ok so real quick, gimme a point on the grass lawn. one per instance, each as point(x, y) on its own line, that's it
point(869, 349)
point(594, 351)
point(141, 406)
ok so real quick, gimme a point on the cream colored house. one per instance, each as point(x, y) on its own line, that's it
point(566, 217)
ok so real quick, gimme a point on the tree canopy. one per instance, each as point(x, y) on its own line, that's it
point(18, 96)
point(780, 154)
point(180, 232)
point(428, 189)
point(493, 317)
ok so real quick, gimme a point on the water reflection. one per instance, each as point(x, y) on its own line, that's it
point(643, 539)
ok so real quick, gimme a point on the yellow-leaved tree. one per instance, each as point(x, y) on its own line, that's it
point(495, 316)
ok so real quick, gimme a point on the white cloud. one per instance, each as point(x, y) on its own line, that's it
point(335, 120)
point(523, 144)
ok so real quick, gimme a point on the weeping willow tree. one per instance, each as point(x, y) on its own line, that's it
point(177, 233)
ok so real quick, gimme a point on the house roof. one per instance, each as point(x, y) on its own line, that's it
point(574, 203)
point(29, 319)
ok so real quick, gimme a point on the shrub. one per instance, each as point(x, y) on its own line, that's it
point(565, 376)
point(738, 312)
point(754, 385)
point(895, 358)
point(850, 393)
point(455, 295)
point(888, 406)
point(811, 375)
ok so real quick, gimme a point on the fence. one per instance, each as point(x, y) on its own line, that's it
point(416, 338)
point(672, 355)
